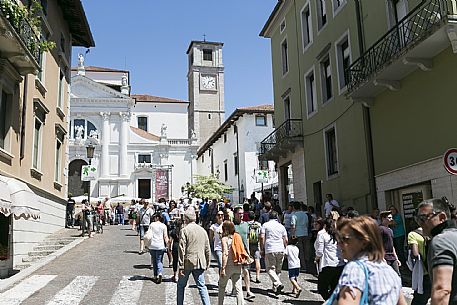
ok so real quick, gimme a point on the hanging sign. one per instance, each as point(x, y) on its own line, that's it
point(88, 172)
point(261, 176)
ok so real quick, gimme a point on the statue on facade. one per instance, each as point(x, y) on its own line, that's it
point(80, 60)
point(124, 80)
point(193, 135)
point(93, 134)
point(163, 131)
point(79, 132)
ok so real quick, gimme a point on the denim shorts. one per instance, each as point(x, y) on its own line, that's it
point(143, 229)
point(254, 251)
point(293, 273)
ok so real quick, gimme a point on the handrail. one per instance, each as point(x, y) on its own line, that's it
point(288, 129)
point(409, 30)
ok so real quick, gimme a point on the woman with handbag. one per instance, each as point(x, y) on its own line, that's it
point(229, 269)
point(366, 278)
point(157, 239)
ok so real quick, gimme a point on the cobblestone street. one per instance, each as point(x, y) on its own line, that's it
point(107, 269)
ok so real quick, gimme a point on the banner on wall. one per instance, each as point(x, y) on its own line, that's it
point(161, 184)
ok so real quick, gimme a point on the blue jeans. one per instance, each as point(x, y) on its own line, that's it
point(199, 278)
point(120, 219)
point(157, 261)
point(218, 256)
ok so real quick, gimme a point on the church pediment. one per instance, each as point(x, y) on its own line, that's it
point(85, 88)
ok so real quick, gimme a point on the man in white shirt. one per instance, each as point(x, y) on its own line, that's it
point(273, 240)
point(330, 204)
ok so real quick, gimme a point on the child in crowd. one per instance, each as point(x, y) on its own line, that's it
point(293, 262)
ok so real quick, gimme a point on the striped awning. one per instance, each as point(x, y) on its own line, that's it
point(17, 199)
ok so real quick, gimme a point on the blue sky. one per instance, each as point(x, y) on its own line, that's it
point(150, 39)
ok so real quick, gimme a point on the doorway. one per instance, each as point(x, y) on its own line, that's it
point(76, 187)
point(317, 192)
point(144, 188)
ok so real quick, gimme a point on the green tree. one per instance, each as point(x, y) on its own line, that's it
point(206, 186)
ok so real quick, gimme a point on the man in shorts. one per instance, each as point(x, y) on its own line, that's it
point(253, 237)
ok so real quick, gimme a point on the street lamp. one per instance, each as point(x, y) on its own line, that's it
point(90, 154)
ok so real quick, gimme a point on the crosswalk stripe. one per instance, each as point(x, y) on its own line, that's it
point(25, 289)
point(74, 292)
point(170, 293)
point(128, 291)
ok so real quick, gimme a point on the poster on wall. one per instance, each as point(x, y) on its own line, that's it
point(161, 184)
point(410, 203)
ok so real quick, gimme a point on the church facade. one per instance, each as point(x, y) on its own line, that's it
point(145, 146)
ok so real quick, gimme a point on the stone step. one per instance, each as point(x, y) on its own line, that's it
point(40, 253)
point(21, 266)
point(48, 247)
point(31, 259)
point(56, 242)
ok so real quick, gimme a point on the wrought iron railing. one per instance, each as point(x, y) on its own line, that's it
point(289, 129)
point(413, 28)
point(21, 25)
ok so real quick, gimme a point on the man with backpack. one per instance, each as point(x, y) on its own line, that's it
point(253, 238)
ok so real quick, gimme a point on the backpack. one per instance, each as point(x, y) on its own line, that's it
point(253, 235)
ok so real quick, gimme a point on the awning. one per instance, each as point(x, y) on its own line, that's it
point(17, 198)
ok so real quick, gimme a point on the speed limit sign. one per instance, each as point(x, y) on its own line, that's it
point(450, 161)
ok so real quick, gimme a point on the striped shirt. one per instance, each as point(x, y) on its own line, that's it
point(384, 285)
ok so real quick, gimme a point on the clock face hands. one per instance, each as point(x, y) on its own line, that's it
point(208, 82)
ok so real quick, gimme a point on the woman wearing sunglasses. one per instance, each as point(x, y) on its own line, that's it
point(366, 278)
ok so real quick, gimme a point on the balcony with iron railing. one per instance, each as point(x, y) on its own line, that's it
point(19, 42)
point(411, 44)
point(282, 141)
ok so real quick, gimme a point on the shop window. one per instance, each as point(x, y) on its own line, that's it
point(4, 236)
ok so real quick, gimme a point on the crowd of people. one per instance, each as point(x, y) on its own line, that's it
point(356, 258)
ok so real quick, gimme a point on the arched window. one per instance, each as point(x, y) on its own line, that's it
point(81, 128)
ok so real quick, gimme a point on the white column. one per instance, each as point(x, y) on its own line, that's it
point(105, 144)
point(123, 141)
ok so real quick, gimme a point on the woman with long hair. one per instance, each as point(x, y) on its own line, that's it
point(366, 278)
point(229, 269)
point(159, 241)
point(328, 258)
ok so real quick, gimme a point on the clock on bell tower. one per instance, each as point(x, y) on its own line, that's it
point(206, 88)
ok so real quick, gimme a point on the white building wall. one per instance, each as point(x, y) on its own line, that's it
point(249, 135)
point(173, 115)
point(29, 233)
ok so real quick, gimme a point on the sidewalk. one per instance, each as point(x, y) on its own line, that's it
point(49, 249)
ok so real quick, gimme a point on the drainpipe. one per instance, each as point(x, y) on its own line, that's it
point(238, 163)
point(366, 116)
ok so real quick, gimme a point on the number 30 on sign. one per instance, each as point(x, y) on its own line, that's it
point(450, 161)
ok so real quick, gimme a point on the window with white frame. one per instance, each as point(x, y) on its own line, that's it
point(40, 112)
point(321, 14)
point(42, 62)
point(37, 137)
point(326, 73)
point(310, 89)
point(60, 136)
point(284, 57)
point(338, 4)
point(142, 122)
point(144, 158)
point(343, 56)
point(331, 151)
point(5, 110)
point(260, 120)
point(307, 26)
point(61, 92)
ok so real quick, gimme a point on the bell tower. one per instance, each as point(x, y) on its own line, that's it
point(206, 88)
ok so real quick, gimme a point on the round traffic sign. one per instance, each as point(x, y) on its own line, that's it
point(450, 161)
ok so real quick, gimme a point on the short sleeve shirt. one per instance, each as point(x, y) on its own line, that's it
point(243, 230)
point(217, 238)
point(158, 231)
point(300, 221)
point(415, 238)
point(293, 258)
point(145, 216)
point(274, 233)
point(388, 242)
point(384, 284)
point(398, 229)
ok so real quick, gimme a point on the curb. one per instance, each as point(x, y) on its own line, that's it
point(6, 283)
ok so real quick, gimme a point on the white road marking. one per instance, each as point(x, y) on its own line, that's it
point(25, 289)
point(74, 292)
point(170, 293)
point(127, 292)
